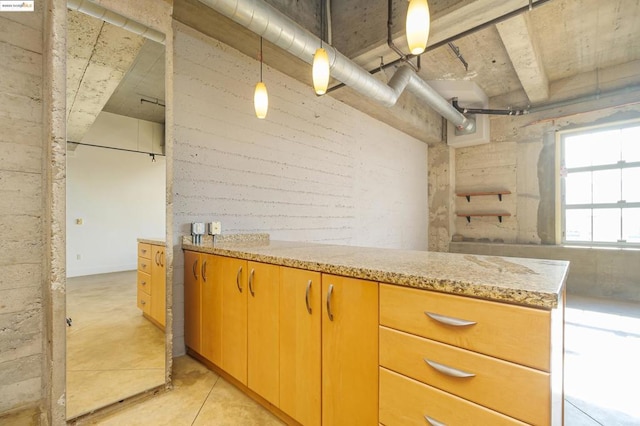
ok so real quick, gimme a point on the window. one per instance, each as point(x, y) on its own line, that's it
point(601, 186)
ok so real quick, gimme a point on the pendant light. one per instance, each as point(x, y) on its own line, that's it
point(260, 96)
point(417, 27)
point(320, 68)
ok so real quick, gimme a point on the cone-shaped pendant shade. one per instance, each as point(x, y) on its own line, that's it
point(417, 26)
point(261, 100)
point(321, 71)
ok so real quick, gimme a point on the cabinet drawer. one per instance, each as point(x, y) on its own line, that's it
point(144, 282)
point(144, 250)
point(144, 302)
point(518, 391)
point(406, 402)
point(144, 265)
point(514, 333)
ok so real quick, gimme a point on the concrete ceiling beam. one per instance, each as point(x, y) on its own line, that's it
point(360, 27)
point(524, 52)
point(99, 56)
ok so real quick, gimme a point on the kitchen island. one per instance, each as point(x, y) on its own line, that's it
point(151, 281)
point(382, 335)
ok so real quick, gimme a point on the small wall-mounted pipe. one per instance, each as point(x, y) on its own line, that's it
point(97, 11)
point(454, 102)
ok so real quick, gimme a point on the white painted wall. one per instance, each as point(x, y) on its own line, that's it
point(314, 170)
point(120, 196)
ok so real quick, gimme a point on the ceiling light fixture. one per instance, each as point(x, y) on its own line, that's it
point(417, 27)
point(260, 96)
point(320, 67)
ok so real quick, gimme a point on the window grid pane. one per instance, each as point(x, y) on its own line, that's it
point(595, 200)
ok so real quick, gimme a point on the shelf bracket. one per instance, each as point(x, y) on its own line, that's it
point(500, 197)
point(468, 219)
point(468, 197)
point(500, 219)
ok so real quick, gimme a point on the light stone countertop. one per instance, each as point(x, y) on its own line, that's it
point(153, 241)
point(529, 282)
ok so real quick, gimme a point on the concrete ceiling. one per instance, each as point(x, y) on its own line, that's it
point(560, 49)
point(110, 69)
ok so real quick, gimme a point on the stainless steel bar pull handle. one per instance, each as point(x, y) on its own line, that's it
point(162, 258)
point(238, 279)
point(204, 271)
point(251, 283)
point(195, 267)
point(456, 322)
point(433, 422)
point(306, 297)
point(449, 371)
point(329, 294)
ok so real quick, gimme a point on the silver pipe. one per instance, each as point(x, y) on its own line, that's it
point(92, 9)
point(269, 23)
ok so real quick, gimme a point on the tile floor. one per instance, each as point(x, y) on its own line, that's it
point(602, 368)
point(113, 352)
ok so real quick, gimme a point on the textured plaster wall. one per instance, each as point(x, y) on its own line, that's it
point(521, 158)
point(314, 170)
point(21, 207)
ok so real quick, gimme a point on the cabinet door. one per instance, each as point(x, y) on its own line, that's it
point(192, 300)
point(300, 345)
point(234, 317)
point(212, 278)
point(263, 331)
point(349, 351)
point(158, 284)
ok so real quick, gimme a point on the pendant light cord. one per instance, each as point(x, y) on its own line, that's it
point(260, 59)
point(321, 22)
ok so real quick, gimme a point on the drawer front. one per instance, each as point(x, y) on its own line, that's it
point(520, 392)
point(144, 265)
point(144, 302)
point(144, 282)
point(514, 333)
point(406, 402)
point(144, 250)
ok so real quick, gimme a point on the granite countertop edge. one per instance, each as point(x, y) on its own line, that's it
point(153, 241)
point(535, 298)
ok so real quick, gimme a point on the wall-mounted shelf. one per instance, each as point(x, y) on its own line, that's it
point(470, 215)
point(470, 194)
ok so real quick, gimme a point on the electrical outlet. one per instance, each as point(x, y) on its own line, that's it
point(215, 228)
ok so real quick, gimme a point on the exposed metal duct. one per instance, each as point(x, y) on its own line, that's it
point(269, 23)
point(92, 9)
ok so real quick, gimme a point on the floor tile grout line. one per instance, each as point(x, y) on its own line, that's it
point(582, 411)
point(205, 401)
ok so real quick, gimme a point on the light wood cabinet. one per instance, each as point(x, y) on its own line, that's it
point(193, 300)
point(349, 351)
point(263, 328)
point(407, 402)
point(487, 381)
point(152, 283)
point(211, 307)
point(158, 285)
point(487, 353)
point(514, 333)
point(300, 345)
point(233, 274)
point(320, 349)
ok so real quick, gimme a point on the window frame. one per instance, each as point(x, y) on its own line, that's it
point(562, 172)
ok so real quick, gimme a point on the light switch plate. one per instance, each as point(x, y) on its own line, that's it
point(215, 228)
